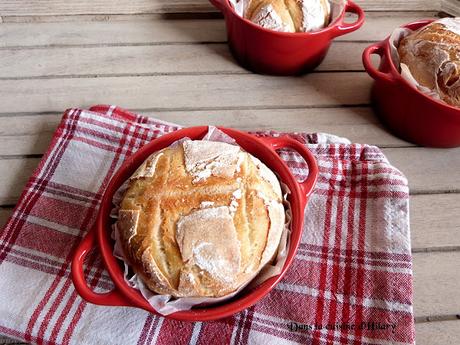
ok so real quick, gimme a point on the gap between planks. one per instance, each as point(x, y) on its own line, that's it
point(215, 59)
point(25, 134)
point(187, 92)
point(451, 6)
point(59, 7)
point(437, 318)
point(445, 332)
point(152, 31)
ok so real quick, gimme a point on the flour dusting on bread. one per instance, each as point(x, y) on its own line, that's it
point(430, 58)
point(206, 158)
point(268, 18)
point(148, 168)
point(199, 236)
point(127, 221)
point(201, 219)
point(451, 24)
point(315, 14)
point(286, 15)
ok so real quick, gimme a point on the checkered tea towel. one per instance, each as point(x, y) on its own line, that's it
point(350, 282)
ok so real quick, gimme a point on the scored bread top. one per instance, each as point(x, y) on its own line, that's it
point(432, 55)
point(200, 219)
point(289, 15)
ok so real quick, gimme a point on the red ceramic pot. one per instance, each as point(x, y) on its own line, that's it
point(407, 112)
point(123, 294)
point(282, 53)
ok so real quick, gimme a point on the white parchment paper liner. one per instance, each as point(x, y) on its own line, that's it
point(167, 304)
point(396, 37)
point(337, 7)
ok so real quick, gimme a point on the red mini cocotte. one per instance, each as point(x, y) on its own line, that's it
point(124, 295)
point(408, 112)
point(282, 53)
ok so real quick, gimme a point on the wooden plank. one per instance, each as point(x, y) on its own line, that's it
point(358, 124)
point(26, 135)
point(444, 332)
point(428, 170)
point(9, 341)
point(145, 30)
point(379, 25)
point(63, 7)
point(436, 278)
point(435, 221)
point(132, 31)
point(451, 7)
point(126, 60)
point(14, 174)
point(186, 91)
point(31, 134)
point(149, 60)
point(4, 214)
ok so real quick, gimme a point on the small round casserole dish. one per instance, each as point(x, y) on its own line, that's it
point(407, 112)
point(125, 295)
point(282, 53)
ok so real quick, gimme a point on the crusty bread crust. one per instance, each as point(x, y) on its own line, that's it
point(200, 219)
point(432, 55)
point(289, 15)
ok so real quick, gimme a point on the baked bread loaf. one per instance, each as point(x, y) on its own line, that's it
point(289, 15)
point(200, 218)
point(432, 54)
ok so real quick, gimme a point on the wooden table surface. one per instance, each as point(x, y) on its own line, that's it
point(169, 59)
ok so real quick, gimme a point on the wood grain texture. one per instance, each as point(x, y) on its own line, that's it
point(446, 332)
point(63, 7)
point(435, 221)
point(359, 124)
point(428, 170)
point(4, 214)
point(31, 134)
point(189, 92)
point(14, 173)
point(148, 30)
point(451, 7)
point(132, 31)
point(149, 60)
point(26, 135)
point(9, 341)
point(436, 278)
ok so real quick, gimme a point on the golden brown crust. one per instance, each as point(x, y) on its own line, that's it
point(289, 15)
point(200, 219)
point(432, 55)
point(272, 14)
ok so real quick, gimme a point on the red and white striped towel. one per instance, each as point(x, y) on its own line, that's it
point(350, 283)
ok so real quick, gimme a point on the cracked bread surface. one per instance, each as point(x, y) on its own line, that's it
point(200, 219)
point(432, 55)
